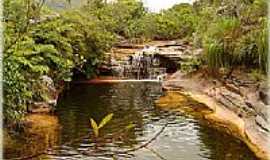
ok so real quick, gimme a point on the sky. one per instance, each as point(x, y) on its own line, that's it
point(153, 5)
point(157, 5)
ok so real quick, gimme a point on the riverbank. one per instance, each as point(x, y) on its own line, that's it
point(240, 109)
point(40, 132)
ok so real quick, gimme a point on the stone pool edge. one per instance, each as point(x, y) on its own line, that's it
point(229, 121)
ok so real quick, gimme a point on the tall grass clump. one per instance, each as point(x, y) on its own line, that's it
point(262, 44)
point(214, 54)
point(219, 43)
point(252, 49)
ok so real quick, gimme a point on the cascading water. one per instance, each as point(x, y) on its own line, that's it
point(144, 65)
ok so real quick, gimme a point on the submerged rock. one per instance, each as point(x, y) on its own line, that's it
point(177, 101)
point(40, 133)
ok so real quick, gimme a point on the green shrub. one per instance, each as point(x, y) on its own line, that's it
point(220, 41)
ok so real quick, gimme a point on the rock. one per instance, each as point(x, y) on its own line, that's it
point(40, 107)
point(198, 52)
point(233, 88)
point(51, 94)
point(238, 101)
point(52, 102)
point(263, 92)
point(234, 102)
point(127, 45)
point(260, 121)
point(177, 101)
point(44, 18)
point(264, 95)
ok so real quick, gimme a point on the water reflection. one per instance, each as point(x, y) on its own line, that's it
point(224, 147)
point(40, 134)
point(185, 138)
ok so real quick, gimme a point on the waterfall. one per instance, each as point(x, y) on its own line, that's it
point(144, 65)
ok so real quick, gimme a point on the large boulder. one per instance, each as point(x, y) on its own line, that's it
point(50, 95)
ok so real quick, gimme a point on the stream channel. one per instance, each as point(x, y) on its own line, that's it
point(157, 134)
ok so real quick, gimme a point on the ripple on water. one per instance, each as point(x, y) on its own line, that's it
point(183, 139)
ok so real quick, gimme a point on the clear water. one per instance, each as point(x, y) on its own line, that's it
point(185, 138)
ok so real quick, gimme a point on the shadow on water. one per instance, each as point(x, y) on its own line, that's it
point(185, 138)
point(41, 133)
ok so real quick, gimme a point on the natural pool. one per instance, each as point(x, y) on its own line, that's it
point(184, 138)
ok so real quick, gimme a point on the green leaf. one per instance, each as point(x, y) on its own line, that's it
point(95, 127)
point(105, 120)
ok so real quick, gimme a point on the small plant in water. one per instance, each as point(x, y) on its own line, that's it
point(96, 127)
point(103, 122)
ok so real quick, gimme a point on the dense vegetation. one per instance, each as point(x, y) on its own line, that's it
point(40, 41)
point(236, 35)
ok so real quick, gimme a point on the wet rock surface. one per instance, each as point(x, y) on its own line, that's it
point(240, 95)
point(147, 61)
point(174, 100)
